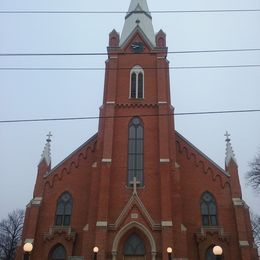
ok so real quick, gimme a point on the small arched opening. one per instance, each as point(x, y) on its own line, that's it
point(58, 252)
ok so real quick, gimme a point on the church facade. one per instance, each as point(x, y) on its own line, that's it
point(138, 186)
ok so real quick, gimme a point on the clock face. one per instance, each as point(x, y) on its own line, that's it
point(137, 47)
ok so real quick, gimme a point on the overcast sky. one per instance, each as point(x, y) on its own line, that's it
point(51, 94)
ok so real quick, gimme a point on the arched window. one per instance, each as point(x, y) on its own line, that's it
point(208, 209)
point(58, 253)
point(137, 83)
point(63, 210)
point(134, 246)
point(135, 151)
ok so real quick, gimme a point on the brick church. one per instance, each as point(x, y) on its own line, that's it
point(137, 187)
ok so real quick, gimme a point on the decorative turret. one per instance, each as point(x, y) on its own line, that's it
point(46, 154)
point(229, 151)
point(44, 167)
point(232, 169)
point(138, 18)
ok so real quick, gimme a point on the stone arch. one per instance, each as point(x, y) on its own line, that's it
point(128, 227)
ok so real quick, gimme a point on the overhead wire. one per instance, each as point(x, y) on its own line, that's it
point(128, 116)
point(127, 68)
point(128, 53)
point(123, 12)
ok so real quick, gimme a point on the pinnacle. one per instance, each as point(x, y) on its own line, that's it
point(46, 154)
point(230, 155)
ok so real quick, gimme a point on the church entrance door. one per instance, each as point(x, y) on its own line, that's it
point(134, 248)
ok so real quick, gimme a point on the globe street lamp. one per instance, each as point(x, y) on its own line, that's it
point(95, 250)
point(169, 251)
point(218, 251)
point(27, 248)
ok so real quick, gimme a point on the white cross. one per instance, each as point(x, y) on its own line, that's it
point(227, 136)
point(49, 135)
point(134, 185)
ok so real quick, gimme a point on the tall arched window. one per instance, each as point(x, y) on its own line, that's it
point(63, 210)
point(58, 253)
point(135, 151)
point(137, 83)
point(134, 246)
point(208, 210)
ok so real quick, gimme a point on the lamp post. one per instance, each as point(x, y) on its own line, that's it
point(95, 251)
point(27, 248)
point(218, 251)
point(169, 251)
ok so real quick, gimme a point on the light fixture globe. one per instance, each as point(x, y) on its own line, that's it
point(217, 250)
point(169, 250)
point(28, 247)
point(95, 249)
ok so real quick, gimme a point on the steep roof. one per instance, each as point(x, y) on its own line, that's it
point(210, 161)
point(138, 17)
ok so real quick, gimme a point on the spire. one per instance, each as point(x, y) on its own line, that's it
point(46, 154)
point(138, 17)
point(229, 150)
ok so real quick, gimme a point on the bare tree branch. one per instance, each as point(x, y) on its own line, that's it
point(10, 234)
point(255, 221)
point(253, 175)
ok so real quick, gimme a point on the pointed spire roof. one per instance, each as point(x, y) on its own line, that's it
point(229, 150)
point(138, 17)
point(46, 154)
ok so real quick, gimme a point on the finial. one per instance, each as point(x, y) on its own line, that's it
point(46, 154)
point(49, 135)
point(229, 150)
point(227, 136)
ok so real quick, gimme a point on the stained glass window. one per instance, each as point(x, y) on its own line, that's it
point(208, 210)
point(135, 151)
point(63, 210)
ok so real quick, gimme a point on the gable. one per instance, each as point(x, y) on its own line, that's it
point(192, 152)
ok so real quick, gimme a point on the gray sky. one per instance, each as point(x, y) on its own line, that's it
point(50, 94)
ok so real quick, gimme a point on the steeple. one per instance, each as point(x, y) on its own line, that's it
point(46, 154)
point(229, 150)
point(138, 18)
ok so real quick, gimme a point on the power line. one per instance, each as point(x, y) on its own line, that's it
point(128, 116)
point(129, 53)
point(123, 12)
point(126, 68)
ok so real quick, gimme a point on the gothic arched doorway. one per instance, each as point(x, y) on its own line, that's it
point(58, 252)
point(134, 248)
point(134, 242)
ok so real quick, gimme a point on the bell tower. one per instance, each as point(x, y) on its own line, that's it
point(136, 129)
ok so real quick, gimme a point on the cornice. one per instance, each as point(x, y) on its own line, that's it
point(137, 105)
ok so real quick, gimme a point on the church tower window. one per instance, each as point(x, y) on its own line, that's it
point(208, 210)
point(63, 210)
point(137, 83)
point(135, 151)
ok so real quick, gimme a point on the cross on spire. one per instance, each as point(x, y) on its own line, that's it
point(49, 135)
point(227, 136)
